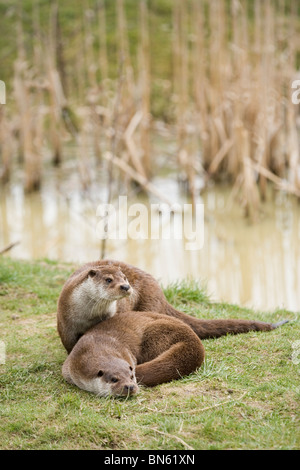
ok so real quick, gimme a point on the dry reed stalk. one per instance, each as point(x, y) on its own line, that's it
point(134, 175)
point(8, 247)
point(59, 50)
point(101, 108)
point(221, 154)
point(24, 99)
point(180, 77)
point(32, 164)
point(80, 71)
point(38, 59)
point(250, 192)
point(98, 114)
point(57, 103)
point(83, 155)
point(213, 81)
point(281, 183)
point(264, 86)
point(98, 99)
point(5, 147)
point(95, 92)
point(38, 85)
point(129, 140)
point(56, 94)
point(129, 114)
point(292, 133)
point(103, 61)
point(217, 53)
point(113, 141)
point(124, 57)
point(144, 87)
point(199, 79)
point(238, 84)
point(293, 148)
point(90, 61)
point(185, 125)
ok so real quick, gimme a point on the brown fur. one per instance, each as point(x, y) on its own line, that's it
point(145, 295)
point(88, 298)
point(160, 348)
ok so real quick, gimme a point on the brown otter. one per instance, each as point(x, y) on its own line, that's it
point(88, 298)
point(132, 347)
point(97, 290)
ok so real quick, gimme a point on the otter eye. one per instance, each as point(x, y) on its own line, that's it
point(100, 373)
point(92, 273)
point(114, 380)
point(108, 280)
point(130, 368)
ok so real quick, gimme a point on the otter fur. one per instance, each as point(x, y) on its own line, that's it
point(130, 349)
point(98, 290)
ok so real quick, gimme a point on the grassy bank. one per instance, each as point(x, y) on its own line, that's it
point(244, 397)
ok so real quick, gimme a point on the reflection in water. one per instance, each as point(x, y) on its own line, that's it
point(252, 265)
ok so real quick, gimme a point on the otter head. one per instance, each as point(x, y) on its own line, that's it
point(116, 377)
point(108, 283)
point(104, 375)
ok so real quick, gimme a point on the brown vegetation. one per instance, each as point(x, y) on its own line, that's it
point(230, 107)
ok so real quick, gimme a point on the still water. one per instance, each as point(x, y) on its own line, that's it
point(255, 265)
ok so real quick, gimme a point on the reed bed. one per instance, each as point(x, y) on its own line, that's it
point(220, 85)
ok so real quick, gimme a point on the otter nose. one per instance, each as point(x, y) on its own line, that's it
point(125, 287)
point(128, 389)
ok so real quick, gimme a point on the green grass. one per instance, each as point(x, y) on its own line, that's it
point(246, 395)
point(71, 16)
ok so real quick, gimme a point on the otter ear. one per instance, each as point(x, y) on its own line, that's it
point(100, 373)
point(92, 273)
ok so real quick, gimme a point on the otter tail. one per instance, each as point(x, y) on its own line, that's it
point(216, 328)
point(279, 323)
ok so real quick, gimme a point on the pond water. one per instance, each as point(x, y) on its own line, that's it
point(255, 265)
